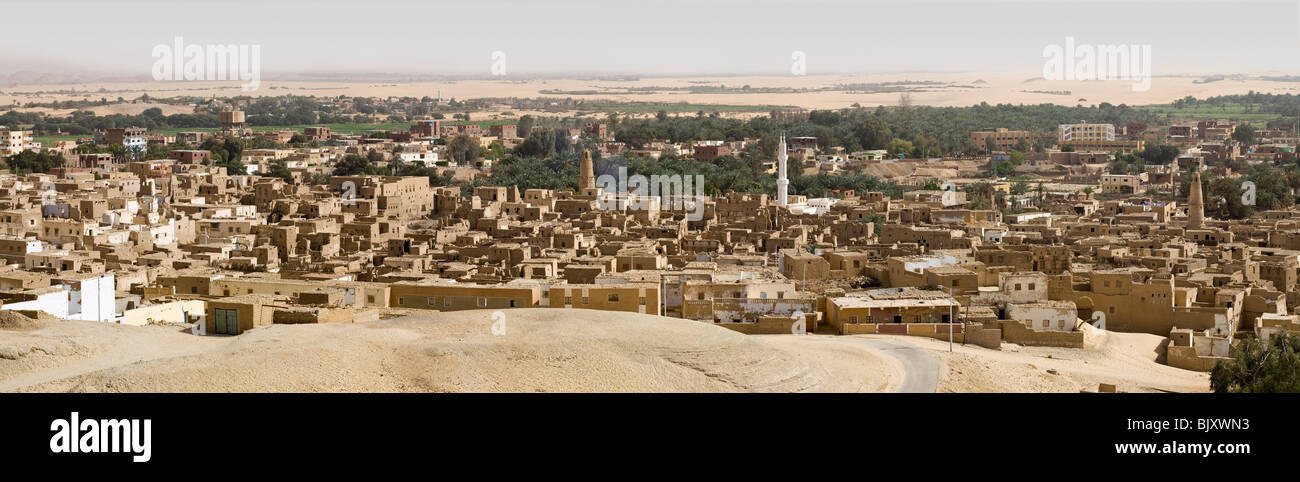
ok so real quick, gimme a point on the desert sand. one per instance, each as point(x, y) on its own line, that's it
point(547, 350)
point(1133, 362)
point(961, 89)
point(541, 350)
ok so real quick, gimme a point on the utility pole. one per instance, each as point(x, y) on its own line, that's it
point(951, 319)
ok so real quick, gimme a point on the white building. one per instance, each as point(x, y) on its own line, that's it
point(1085, 132)
point(1045, 315)
point(90, 298)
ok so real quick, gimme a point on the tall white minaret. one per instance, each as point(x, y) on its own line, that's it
point(782, 184)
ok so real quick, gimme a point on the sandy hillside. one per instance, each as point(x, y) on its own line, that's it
point(548, 350)
point(541, 350)
point(1128, 360)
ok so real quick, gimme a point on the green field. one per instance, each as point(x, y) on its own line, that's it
point(1225, 111)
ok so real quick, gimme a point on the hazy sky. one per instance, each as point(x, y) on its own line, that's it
point(650, 36)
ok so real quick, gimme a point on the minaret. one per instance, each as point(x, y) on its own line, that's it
point(1195, 203)
point(782, 184)
point(586, 173)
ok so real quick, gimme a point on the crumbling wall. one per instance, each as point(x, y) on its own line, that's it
point(1016, 332)
point(1185, 357)
point(320, 315)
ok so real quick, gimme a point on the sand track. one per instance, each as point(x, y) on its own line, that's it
point(1127, 360)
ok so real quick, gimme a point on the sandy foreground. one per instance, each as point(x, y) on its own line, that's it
point(958, 89)
point(1131, 361)
point(544, 350)
point(541, 350)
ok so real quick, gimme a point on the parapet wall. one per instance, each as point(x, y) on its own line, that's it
point(320, 315)
point(1185, 357)
point(771, 325)
point(1016, 332)
point(932, 330)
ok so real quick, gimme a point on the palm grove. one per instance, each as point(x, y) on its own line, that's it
point(547, 157)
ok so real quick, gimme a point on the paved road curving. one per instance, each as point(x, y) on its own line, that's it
point(920, 370)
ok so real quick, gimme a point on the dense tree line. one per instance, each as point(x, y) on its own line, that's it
point(547, 158)
point(1260, 367)
point(1286, 105)
point(912, 131)
point(743, 173)
point(87, 123)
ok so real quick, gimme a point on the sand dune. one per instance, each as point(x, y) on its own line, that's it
point(542, 350)
point(545, 350)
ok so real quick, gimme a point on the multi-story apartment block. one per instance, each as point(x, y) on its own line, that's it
point(1072, 133)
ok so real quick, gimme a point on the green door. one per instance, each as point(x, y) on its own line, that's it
point(219, 321)
point(227, 321)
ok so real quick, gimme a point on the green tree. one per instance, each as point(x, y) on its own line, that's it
point(234, 166)
point(1244, 134)
point(538, 143)
point(1004, 169)
point(280, 169)
point(1159, 154)
point(1260, 367)
point(899, 146)
point(525, 126)
point(351, 165)
point(464, 149)
point(1017, 158)
point(31, 161)
point(872, 134)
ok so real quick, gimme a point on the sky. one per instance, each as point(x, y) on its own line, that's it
point(650, 37)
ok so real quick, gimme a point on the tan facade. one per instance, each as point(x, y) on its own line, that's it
point(455, 297)
point(631, 297)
